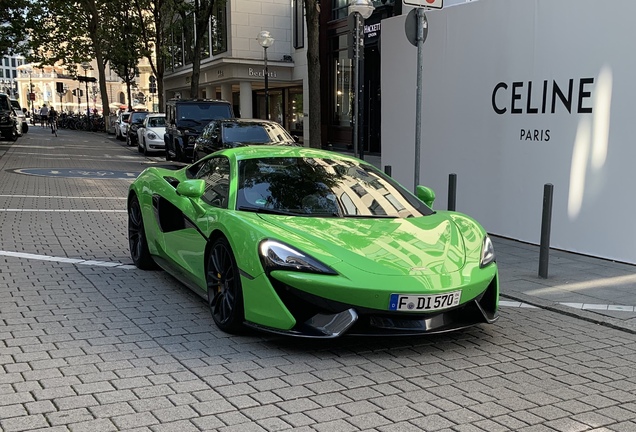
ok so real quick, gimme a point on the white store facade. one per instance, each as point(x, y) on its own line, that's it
point(516, 95)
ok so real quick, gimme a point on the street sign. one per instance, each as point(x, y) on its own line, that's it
point(432, 4)
point(410, 27)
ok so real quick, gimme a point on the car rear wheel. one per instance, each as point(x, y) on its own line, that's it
point(225, 294)
point(137, 237)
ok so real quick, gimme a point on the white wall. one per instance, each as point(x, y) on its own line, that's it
point(589, 157)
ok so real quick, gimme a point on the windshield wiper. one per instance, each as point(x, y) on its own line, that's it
point(360, 216)
point(268, 211)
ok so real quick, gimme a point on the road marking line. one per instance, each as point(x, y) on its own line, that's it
point(67, 260)
point(62, 210)
point(62, 197)
point(112, 264)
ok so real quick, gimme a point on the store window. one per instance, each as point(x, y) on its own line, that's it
point(340, 9)
point(342, 91)
point(218, 27)
point(295, 114)
point(299, 24)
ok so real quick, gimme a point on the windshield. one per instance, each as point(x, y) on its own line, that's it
point(16, 105)
point(156, 122)
point(322, 187)
point(4, 103)
point(203, 112)
point(254, 133)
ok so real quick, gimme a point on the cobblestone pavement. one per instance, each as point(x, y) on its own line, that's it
point(89, 343)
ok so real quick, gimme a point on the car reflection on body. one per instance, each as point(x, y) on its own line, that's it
point(150, 134)
point(227, 133)
point(311, 243)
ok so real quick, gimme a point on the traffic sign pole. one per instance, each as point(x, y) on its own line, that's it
point(421, 22)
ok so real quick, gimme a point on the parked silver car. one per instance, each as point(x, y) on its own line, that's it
point(121, 126)
point(22, 118)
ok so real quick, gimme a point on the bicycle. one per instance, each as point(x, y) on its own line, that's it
point(53, 123)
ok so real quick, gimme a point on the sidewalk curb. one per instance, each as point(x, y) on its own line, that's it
point(572, 312)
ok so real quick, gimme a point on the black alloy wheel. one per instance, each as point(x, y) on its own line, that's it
point(137, 237)
point(225, 294)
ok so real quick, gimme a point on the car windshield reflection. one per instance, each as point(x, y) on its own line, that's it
point(323, 188)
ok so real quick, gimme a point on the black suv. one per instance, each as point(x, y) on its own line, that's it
point(185, 119)
point(8, 119)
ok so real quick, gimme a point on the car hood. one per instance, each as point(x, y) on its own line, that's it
point(157, 130)
point(414, 246)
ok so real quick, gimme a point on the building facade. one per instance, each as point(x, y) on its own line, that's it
point(56, 86)
point(233, 67)
point(9, 65)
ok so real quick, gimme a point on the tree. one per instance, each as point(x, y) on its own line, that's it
point(312, 12)
point(200, 12)
point(124, 58)
point(69, 33)
point(152, 20)
point(12, 29)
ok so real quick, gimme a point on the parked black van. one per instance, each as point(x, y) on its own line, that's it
point(8, 120)
point(185, 119)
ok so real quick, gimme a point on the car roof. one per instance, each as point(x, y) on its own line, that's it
point(268, 151)
point(248, 120)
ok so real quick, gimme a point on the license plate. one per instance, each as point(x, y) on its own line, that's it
point(419, 303)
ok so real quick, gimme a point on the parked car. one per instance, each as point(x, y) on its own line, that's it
point(22, 118)
point(121, 126)
point(134, 121)
point(312, 243)
point(227, 133)
point(9, 126)
point(150, 134)
point(185, 119)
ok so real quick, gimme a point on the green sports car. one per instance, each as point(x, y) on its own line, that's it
point(312, 243)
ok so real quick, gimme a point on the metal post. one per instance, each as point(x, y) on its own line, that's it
point(387, 170)
point(452, 191)
point(88, 110)
point(546, 222)
point(418, 100)
point(356, 84)
point(266, 85)
point(31, 99)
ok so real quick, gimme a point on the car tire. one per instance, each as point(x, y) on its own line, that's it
point(146, 152)
point(225, 293)
point(178, 154)
point(137, 241)
point(25, 128)
point(127, 140)
point(139, 149)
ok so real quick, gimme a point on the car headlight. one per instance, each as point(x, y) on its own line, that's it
point(276, 255)
point(191, 139)
point(152, 136)
point(487, 252)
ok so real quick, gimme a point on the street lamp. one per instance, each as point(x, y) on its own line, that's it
point(86, 66)
point(266, 40)
point(29, 70)
point(359, 10)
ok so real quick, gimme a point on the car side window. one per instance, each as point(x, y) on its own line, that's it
point(216, 173)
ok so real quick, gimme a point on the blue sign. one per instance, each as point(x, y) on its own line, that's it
point(79, 173)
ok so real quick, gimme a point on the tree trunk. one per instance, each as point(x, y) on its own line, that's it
point(312, 11)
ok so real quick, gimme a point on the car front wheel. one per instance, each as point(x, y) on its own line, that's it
point(225, 294)
point(137, 237)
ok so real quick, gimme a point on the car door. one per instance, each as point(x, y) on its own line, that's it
point(141, 130)
point(185, 226)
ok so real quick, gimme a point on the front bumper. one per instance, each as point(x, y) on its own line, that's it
point(317, 317)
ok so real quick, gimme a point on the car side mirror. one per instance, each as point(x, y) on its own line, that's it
point(191, 188)
point(296, 138)
point(426, 195)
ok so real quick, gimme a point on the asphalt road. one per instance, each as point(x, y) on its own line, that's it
point(90, 343)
